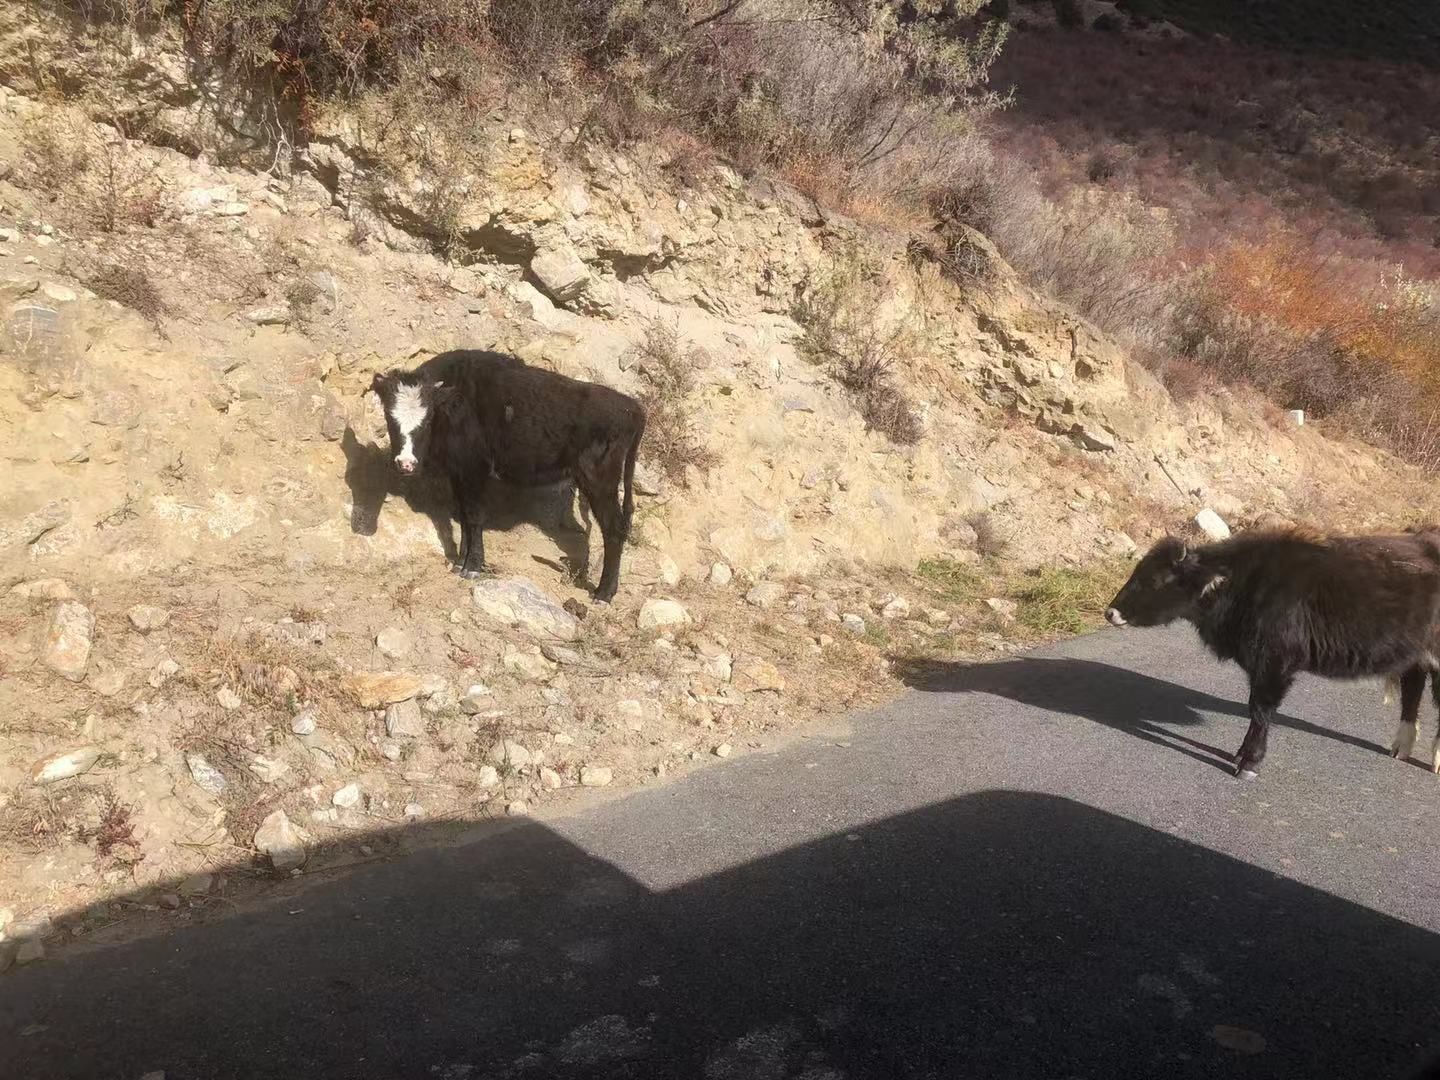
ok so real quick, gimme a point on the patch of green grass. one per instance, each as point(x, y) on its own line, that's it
point(953, 581)
point(1063, 600)
point(876, 634)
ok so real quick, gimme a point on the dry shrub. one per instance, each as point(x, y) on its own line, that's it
point(990, 539)
point(131, 286)
point(847, 332)
point(671, 440)
point(97, 175)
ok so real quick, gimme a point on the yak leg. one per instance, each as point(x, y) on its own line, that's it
point(1267, 691)
point(598, 476)
point(1412, 686)
point(470, 501)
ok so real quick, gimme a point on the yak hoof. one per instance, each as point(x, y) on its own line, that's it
point(1244, 773)
point(472, 575)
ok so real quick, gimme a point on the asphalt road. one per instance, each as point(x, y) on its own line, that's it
point(1032, 869)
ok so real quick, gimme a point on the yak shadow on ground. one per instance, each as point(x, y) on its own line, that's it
point(373, 479)
point(998, 935)
point(1127, 701)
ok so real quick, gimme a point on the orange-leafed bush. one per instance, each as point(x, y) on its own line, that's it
point(1337, 338)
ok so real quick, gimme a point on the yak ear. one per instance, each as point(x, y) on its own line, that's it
point(379, 382)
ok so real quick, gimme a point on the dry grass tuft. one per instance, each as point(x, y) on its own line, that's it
point(847, 332)
point(672, 441)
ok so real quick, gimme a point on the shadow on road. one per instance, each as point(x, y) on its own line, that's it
point(1128, 701)
point(998, 935)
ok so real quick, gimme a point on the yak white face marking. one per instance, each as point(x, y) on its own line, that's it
point(1435, 756)
point(1404, 740)
point(1114, 618)
point(408, 411)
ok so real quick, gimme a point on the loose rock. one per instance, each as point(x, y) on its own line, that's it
point(518, 602)
point(487, 776)
point(765, 594)
point(1005, 609)
point(517, 808)
point(304, 723)
point(528, 663)
point(43, 589)
point(509, 752)
point(280, 839)
point(897, 608)
point(403, 720)
point(721, 575)
point(229, 700)
point(596, 776)
point(393, 643)
point(754, 674)
point(64, 765)
point(376, 689)
point(1212, 525)
point(206, 776)
point(659, 614)
point(414, 811)
point(147, 617)
point(67, 640)
point(551, 779)
point(724, 750)
point(348, 797)
point(853, 624)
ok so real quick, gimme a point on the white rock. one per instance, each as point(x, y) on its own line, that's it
point(475, 699)
point(394, 643)
point(517, 135)
point(487, 776)
point(268, 770)
point(669, 571)
point(163, 672)
point(657, 614)
point(43, 589)
point(765, 594)
point(596, 776)
point(517, 808)
point(518, 602)
point(550, 779)
point(720, 575)
point(147, 617)
point(280, 839)
point(560, 273)
point(529, 663)
point(724, 750)
point(403, 720)
point(274, 315)
point(1296, 417)
point(68, 639)
point(898, 608)
point(304, 723)
point(1002, 607)
point(1212, 524)
point(720, 666)
point(61, 294)
point(232, 209)
point(853, 624)
point(64, 765)
point(206, 776)
point(414, 811)
point(348, 797)
point(229, 700)
point(510, 752)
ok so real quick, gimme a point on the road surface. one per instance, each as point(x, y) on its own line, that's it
point(1028, 869)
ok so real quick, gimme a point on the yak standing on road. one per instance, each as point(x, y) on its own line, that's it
point(1282, 603)
point(473, 415)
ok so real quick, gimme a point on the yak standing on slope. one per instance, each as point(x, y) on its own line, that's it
point(1282, 603)
point(472, 415)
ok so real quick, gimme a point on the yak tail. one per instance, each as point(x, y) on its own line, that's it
point(627, 510)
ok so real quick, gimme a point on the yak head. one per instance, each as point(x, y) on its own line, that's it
point(409, 402)
point(1167, 585)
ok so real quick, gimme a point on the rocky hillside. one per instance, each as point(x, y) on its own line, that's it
point(228, 637)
